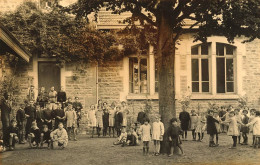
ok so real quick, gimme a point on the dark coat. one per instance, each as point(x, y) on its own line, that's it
point(5, 111)
point(60, 113)
point(211, 126)
point(20, 117)
point(173, 132)
point(37, 134)
point(245, 129)
point(141, 116)
point(105, 119)
point(61, 97)
point(185, 120)
point(48, 115)
point(118, 119)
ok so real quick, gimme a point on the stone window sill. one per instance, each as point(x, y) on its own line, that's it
point(142, 97)
point(214, 97)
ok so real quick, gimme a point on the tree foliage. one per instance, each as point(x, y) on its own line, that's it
point(56, 34)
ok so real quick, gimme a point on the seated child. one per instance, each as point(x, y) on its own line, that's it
point(122, 138)
point(132, 138)
point(173, 133)
point(34, 136)
point(45, 136)
point(59, 137)
point(2, 147)
point(12, 134)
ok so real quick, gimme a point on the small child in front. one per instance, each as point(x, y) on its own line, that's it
point(59, 137)
point(34, 136)
point(173, 133)
point(256, 128)
point(45, 136)
point(12, 133)
point(146, 136)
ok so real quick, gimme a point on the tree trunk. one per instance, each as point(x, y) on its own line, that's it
point(166, 56)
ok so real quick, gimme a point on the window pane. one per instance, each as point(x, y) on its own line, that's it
point(143, 75)
point(204, 69)
point(220, 75)
point(195, 70)
point(220, 49)
point(131, 78)
point(135, 76)
point(229, 70)
point(195, 87)
point(205, 49)
point(195, 50)
point(205, 87)
point(230, 86)
point(229, 49)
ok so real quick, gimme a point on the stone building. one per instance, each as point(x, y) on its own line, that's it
point(217, 72)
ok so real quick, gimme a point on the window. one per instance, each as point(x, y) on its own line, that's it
point(156, 76)
point(200, 68)
point(138, 75)
point(225, 69)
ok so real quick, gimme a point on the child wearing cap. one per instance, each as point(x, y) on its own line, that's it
point(173, 133)
point(211, 128)
point(146, 136)
point(244, 129)
point(157, 134)
point(217, 124)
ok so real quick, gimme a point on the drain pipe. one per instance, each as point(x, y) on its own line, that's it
point(97, 83)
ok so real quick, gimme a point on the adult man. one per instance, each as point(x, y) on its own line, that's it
point(6, 106)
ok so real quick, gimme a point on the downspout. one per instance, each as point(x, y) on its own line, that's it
point(97, 83)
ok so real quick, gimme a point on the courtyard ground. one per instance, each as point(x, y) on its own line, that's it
point(97, 151)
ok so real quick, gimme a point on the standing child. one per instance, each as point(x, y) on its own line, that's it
point(111, 120)
point(173, 134)
point(105, 118)
point(193, 123)
point(48, 115)
point(233, 128)
point(222, 113)
point(146, 136)
point(239, 119)
point(71, 117)
point(118, 120)
point(39, 117)
point(256, 128)
point(185, 121)
point(251, 118)
point(244, 129)
point(99, 116)
point(217, 124)
point(211, 128)
point(92, 118)
point(157, 134)
point(201, 126)
point(20, 118)
point(125, 113)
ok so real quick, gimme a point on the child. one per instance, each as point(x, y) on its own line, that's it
point(59, 137)
point(112, 120)
point(201, 126)
point(173, 134)
point(251, 118)
point(146, 136)
point(122, 138)
point(12, 133)
point(222, 113)
point(48, 115)
point(99, 117)
point(34, 136)
point(216, 116)
point(39, 117)
point(45, 136)
point(77, 107)
point(20, 118)
point(118, 120)
point(71, 117)
point(125, 113)
point(233, 128)
point(185, 120)
point(239, 118)
point(211, 128)
point(245, 129)
point(92, 118)
point(58, 114)
point(132, 138)
point(105, 118)
point(157, 134)
point(256, 128)
point(193, 123)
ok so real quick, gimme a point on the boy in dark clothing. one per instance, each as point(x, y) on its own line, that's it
point(58, 114)
point(12, 134)
point(245, 129)
point(78, 107)
point(30, 114)
point(61, 96)
point(173, 133)
point(42, 98)
point(48, 116)
point(45, 136)
point(39, 117)
point(211, 128)
point(34, 136)
point(185, 121)
point(118, 121)
point(20, 118)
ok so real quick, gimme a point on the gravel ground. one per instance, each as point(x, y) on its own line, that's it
point(87, 151)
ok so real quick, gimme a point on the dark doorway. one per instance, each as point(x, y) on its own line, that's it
point(48, 75)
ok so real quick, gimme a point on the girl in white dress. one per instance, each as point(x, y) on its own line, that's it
point(92, 118)
point(125, 113)
point(146, 136)
point(201, 126)
point(111, 120)
point(71, 117)
point(157, 134)
point(256, 128)
point(193, 123)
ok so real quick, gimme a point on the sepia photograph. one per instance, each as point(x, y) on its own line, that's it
point(129, 82)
